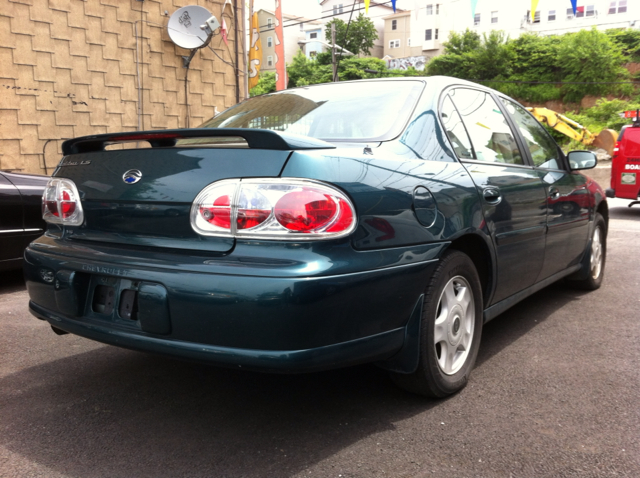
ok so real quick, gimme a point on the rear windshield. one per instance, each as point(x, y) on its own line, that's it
point(367, 111)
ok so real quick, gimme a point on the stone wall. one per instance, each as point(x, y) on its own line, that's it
point(72, 68)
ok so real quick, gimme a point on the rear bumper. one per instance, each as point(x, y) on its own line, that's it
point(368, 349)
point(275, 324)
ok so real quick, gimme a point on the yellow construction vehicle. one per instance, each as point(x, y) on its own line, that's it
point(606, 139)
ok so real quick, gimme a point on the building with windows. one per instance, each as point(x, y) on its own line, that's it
point(411, 38)
point(378, 11)
point(294, 29)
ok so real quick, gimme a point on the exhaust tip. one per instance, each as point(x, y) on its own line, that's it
point(58, 331)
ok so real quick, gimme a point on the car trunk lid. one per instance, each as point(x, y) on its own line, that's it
point(143, 197)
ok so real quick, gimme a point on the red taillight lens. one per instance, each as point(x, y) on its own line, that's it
point(61, 203)
point(305, 211)
point(67, 204)
point(220, 213)
point(273, 209)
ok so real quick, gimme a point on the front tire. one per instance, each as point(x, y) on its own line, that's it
point(451, 327)
point(595, 258)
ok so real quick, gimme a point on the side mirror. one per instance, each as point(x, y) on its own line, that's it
point(582, 160)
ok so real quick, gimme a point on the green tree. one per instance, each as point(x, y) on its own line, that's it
point(303, 71)
point(628, 40)
point(362, 34)
point(588, 60)
point(266, 84)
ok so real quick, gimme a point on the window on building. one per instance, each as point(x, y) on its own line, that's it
point(622, 6)
point(579, 12)
point(569, 13)
point(408, 41)
point(552, 16)
point(394, 24)
point(269, 22)
point(429, 9)
point(536, 17)
point(301, 26)
point(313, 36)
point(428, 34)
point(476, 19)
point(337, 9)
point(269, 61)
point(437, 9)
point(269, 42)
point(494, 17)
point(435, 37)
point(591, 10)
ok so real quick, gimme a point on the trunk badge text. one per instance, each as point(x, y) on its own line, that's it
point(132, 176)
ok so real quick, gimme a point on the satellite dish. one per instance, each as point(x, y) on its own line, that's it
point(184, 27)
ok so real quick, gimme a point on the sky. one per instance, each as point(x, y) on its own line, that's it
point(310, 8)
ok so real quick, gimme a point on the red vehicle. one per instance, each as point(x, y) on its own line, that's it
point(625, 164)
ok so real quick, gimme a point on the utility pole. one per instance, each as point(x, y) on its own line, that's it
point(333, 52)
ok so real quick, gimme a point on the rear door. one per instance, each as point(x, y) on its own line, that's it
point(512, 193)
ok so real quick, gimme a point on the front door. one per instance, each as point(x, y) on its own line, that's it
point(512, 192)
point(569, 203)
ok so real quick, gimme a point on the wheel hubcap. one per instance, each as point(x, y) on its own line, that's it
point(596, 253)
point(455, 321)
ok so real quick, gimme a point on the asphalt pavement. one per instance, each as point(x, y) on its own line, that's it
point(554, 394)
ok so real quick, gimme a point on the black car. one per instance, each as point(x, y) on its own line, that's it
point(20, 215)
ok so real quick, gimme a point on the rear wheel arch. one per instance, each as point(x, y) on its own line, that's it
point(478, 251)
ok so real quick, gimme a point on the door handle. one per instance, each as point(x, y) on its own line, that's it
point(492, 195)
point(554, 193)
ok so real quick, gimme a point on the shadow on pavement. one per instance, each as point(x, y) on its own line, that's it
point(11, 281)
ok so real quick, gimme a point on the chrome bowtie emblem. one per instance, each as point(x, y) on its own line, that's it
point(132, 176)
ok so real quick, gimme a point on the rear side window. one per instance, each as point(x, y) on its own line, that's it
point(544, 150)
point(490, 134)
point(455, 130)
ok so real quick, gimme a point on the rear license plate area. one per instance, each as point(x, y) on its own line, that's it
point(129, 303)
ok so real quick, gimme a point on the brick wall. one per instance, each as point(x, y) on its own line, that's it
point(68, 68)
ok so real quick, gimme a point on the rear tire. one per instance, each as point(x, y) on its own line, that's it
point(594, 259)
point(450, 332)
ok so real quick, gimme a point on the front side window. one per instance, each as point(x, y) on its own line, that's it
point(544, 150)
point(491, 136)
point(371, 111)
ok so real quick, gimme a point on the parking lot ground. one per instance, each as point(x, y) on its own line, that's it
point(554, 394)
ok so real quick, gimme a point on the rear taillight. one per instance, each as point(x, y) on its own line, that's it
point(272, 209)
point(61, 203)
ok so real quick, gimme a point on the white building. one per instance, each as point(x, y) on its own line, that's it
point(407, 38)
point(378, 10)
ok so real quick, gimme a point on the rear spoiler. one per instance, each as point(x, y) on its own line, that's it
point(255, 138)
